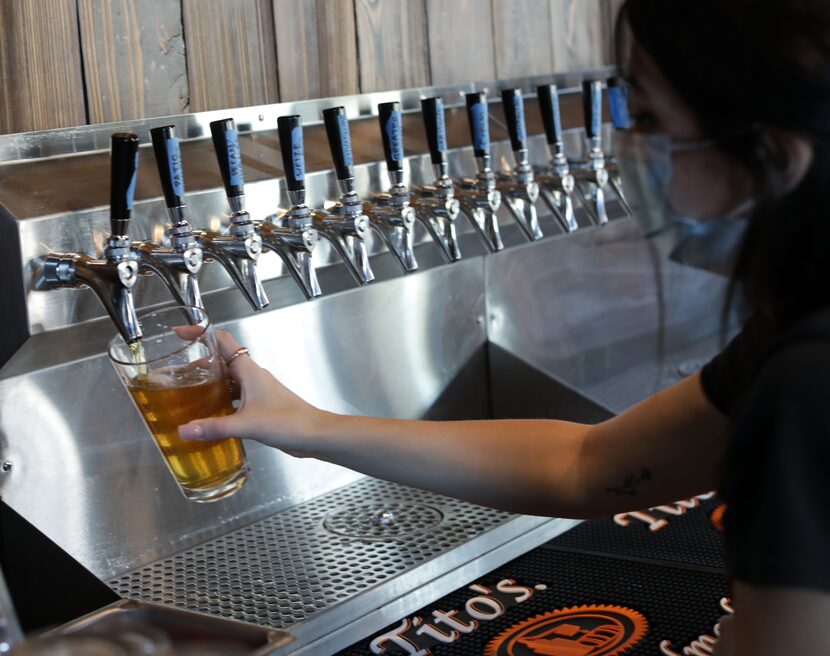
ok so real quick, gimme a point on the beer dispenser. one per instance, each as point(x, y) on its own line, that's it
point(319, 554)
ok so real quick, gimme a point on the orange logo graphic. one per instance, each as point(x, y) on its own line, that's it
point(717, 517)
point(578, 631)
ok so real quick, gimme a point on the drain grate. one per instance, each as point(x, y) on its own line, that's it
point(380, 522)
point(283, 569)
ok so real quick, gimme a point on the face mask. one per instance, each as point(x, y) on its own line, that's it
point(645, 165)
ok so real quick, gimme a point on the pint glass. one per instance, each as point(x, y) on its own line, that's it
point(174, 374)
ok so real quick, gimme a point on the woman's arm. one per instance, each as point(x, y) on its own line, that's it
point(666, 448)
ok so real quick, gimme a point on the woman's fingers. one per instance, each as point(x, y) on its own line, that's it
point(228, 347)
point(215, 428)
point(188, 332)
point(227, 343)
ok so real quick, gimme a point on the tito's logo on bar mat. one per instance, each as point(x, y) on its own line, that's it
point(579, 631)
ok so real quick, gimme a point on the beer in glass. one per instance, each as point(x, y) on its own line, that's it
point(175, 374)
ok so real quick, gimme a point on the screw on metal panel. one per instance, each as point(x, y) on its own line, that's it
point(7, 466)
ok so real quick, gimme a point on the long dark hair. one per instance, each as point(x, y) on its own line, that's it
point(745, 66)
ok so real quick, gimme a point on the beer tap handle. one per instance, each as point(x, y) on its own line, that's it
point(226, 144)
point(340, 141)
point(478, 119)
point(169, 164)
point(618, 102)
point(293, 153)
point(124, 167)
point(551, 117)
point(592, 105)
point(433, 113)
point(391, 130)
point(514, 114)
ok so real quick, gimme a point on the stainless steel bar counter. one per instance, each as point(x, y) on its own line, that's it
point(565, 326)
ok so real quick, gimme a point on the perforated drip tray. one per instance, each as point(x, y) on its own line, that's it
point(356, 542)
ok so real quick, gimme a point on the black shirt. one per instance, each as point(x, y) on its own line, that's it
point(776, 481)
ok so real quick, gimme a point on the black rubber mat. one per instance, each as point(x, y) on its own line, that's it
point(690, 539)
point(581, 605)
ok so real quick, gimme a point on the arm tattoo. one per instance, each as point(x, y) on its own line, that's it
point(630, 484)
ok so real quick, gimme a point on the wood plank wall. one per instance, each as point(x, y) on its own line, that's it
point(69, 62)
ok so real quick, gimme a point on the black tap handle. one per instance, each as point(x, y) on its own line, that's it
point(340, 141)
point(293, 152)
point(391, 130)
point(592, 104)
point(226, 145)
point(124, 167)
point(618, 102)
point(514, 114)
point(169, 164)
point(433, 112)
point(479, 120)
point(551, 116)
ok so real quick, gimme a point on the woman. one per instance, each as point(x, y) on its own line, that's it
point(740, 93)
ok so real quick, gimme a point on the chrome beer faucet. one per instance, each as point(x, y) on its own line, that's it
point(391, 215)
point(239, 250)
point(179, 265)
point(556, 182)
point(519, 188)
point(592, 176)
point(436, 205)
point(480, 200)
point(345, 225)
point(113, 276)
point(294, 239)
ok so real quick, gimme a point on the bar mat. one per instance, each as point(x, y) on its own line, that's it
point(676, 534)
point(558, 603)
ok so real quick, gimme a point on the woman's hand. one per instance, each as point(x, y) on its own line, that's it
point(268, 412)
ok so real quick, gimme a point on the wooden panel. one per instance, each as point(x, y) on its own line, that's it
point(580, 34)
point(134, 61)
point(316, 48)
point(612, 10)
point(460, 41)
point(40, 66)
point(522, 37)
point(231, 53)
point(392, 44)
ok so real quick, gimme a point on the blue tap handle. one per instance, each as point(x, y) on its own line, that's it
point(592, 104)
point(548, 96)
point(124, 168)
point(479, 120)
point(226, 145)
point(514, 114)
point(169, 164)
point(432, 110)
point(391, 130)
point(618, 102)
point(293, 153)
point(340, 141)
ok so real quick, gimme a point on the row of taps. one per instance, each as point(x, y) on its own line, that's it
point(293, 234)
